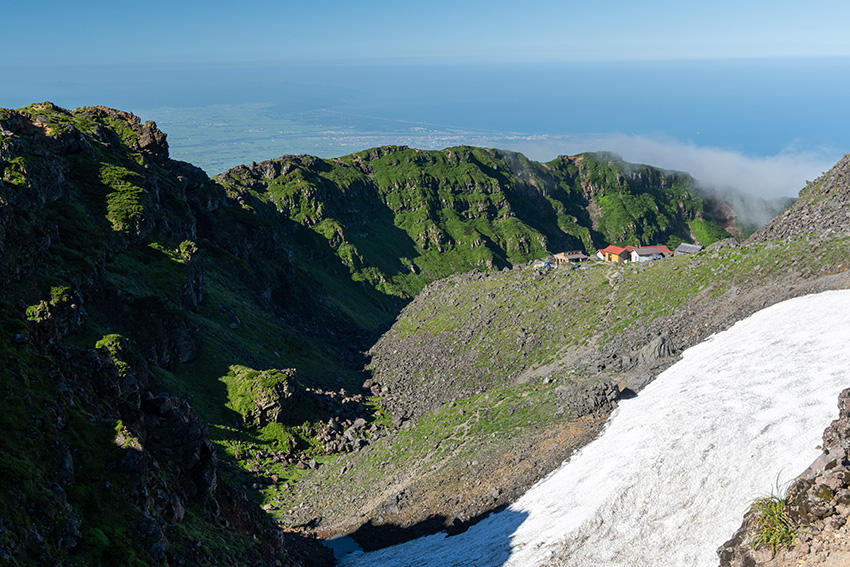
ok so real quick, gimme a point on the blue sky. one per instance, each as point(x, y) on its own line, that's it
point(213, 31)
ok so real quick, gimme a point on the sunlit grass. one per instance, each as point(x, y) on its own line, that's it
point(773, 527)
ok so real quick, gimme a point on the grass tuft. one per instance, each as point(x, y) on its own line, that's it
point(773, 527)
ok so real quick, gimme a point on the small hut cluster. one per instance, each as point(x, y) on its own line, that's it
point(616, 254)
point(613, 254)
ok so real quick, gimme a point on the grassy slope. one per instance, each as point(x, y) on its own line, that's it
point(568, 309)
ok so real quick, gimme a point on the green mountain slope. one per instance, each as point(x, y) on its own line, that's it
point(398, 217)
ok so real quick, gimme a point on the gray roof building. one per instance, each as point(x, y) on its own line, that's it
point(685, 248)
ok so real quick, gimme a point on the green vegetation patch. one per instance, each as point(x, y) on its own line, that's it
point(14, 171)
point(150, 269)
point(508, 322)
point(127, 201)
point(249, 391)
point(59, 296)
point(396, 218)
point(769, 519)
point(117, 346)
point(707, 231)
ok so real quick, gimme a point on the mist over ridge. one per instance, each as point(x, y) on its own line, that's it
point(757, 187)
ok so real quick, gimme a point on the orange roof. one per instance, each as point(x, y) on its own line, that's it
point(663, 248)
point(629, 248)
point(611, 249)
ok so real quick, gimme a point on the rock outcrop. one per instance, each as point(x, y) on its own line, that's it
point(822, 210)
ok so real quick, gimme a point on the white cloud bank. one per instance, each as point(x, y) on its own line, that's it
point(768, 177)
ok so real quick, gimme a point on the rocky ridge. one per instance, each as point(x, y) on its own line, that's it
point(823, 209)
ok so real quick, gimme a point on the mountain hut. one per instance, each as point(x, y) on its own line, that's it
point(614, 254)
point(685, 248)
point(574, 256)
point(646, 253)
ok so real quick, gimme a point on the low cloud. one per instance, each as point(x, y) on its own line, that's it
point(757, 188)
point(782, 175)
point(766, 177)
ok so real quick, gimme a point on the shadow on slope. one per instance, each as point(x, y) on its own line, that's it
point(372, 536)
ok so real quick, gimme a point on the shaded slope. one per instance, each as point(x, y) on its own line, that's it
point(106, 284)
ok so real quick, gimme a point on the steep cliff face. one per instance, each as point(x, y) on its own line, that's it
point(102, 285)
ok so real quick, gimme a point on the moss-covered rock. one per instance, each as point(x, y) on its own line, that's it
point(261, 397)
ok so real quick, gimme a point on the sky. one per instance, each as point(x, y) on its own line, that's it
point(730, 89)
point(214, 31)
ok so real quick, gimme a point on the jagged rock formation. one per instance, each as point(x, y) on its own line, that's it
point(822, 210)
